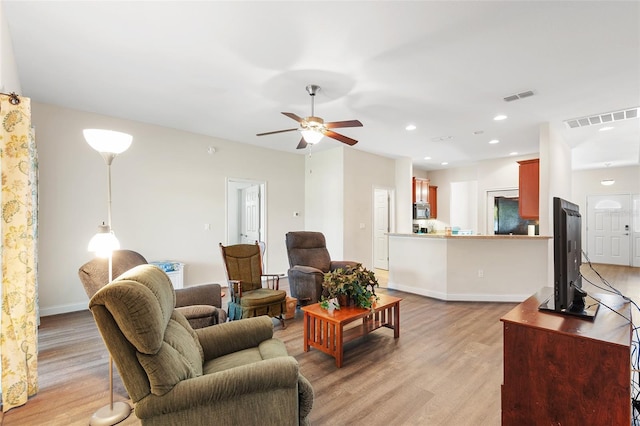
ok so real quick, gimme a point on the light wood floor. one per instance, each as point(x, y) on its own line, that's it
point(445, 369)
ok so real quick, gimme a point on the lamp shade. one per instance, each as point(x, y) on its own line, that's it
point(107, 141)
point(311, 136)
point(104, 242)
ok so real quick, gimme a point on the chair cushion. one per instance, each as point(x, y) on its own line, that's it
point(308, 248)
point(271, 348)
point(262, 296)
point(178, 358)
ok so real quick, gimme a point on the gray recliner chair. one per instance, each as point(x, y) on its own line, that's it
point(201, 304)
point(309, 260)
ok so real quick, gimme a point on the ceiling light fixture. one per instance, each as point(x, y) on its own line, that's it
point(427, 158)
point(607, 182)
point(606, 128)
point(513, 153)
point(500, 117)
point(494, 141)
point(444, 163)
point(410, 127)
point(311, 135)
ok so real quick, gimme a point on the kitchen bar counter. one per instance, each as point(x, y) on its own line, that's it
point(476, 237)
point(490, 268)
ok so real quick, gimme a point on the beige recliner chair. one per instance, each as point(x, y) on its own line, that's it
point(233, 373)
point(201, 304)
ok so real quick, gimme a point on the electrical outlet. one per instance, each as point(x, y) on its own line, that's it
point(480, 273)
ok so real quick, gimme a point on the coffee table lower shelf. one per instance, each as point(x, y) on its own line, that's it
point(326, 332)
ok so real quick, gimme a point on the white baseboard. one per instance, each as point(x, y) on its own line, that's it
point(63, 309)
point(470, 297)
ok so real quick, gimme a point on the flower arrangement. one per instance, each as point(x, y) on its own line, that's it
point(355, 283)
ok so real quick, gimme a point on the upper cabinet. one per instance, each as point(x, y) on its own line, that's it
point(420, 190)
point(529, 189)
point(433, 202)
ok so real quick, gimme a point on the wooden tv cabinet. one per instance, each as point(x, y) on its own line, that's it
point(563, 370)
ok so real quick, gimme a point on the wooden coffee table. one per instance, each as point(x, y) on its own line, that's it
point(325, 331)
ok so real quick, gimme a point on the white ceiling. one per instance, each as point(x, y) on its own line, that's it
point(227, 69)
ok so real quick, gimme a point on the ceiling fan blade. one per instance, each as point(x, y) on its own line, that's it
point(293, 116)
point(347, 123)
point(339, 137)
point(277, 131)
point(302, 145)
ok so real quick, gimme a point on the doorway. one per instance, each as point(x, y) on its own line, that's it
point(382, 220)
point(246, 212)
point(609, 229)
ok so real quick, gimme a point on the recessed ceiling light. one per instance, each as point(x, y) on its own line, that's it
point(513, 153)
point(410, 127)
point(500, 117)
point(427, 158)
point(604, 129)
point(441, 139)
point(494, 141)
point(607, 182)
point(444, 163)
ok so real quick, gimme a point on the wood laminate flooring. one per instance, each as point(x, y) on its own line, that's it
point(445, 369)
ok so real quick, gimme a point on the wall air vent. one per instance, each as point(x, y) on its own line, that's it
point(607, 117)
point(517, 96)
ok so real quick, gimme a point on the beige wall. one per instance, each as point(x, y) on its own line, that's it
point(166, 187)
point(339, 199)
point(9, 81)
point(362, 173)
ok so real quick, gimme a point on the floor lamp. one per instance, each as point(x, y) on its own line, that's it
point(109, 144)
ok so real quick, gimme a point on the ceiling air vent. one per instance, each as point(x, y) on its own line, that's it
point(607, 117)
point(517, 96)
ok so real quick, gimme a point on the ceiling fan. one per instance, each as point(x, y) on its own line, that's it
point(313, 128)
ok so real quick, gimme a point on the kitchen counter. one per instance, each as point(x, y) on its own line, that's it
point(476, 237)
point(491, 268)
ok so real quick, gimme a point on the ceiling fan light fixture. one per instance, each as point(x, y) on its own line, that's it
point(311, 135)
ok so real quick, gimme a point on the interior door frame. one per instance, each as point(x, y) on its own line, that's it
point(232, 185)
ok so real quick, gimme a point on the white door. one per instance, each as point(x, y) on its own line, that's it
point(381, 228)
point(250, 215)
point(608, 229)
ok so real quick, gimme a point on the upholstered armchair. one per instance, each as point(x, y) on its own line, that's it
point(201, 305)
point(233, 373)
point(248, 296)
point(309, 260)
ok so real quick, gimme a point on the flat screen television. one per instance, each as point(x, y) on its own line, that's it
point(568, 297)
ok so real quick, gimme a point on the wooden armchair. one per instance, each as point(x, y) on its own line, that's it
point(248, 296)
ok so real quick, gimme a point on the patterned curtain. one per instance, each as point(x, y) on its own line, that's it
point(18, 236)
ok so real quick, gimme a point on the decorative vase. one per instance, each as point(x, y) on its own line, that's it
point(333, 304)
point(345, 300)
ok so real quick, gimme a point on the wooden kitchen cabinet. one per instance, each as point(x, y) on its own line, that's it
point(433, 201)
point(529, 188)
point(420, 190)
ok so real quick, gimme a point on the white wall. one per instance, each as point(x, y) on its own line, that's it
point(339, 199)
point(165, 188)
point(9, 81)
point(362, 172)
point(404, 196)
point(324, 197)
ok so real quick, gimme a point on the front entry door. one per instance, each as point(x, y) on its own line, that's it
point(608, 228)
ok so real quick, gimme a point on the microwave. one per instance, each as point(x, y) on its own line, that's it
point(421, 211)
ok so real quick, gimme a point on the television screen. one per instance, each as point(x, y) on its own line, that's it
point(568, 296)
